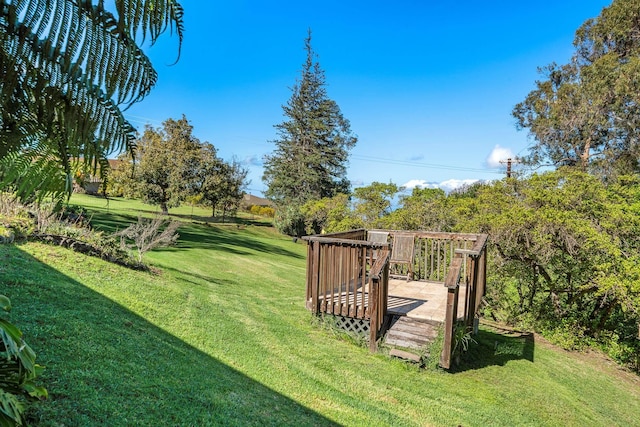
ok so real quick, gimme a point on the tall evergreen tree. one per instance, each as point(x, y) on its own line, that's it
point(311, 153)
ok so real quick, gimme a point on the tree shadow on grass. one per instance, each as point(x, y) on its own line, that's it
point(496, 347)
point(106, 365)
point(199, 236)
point(195, 236)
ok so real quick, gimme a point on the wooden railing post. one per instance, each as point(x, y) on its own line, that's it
point(378, 295)
point(451, 317)
point(373, 306)
point(315, 277)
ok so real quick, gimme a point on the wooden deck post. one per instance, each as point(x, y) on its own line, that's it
point(315, 276)
point(451, 318)
point(373, 316)
point(449, 327)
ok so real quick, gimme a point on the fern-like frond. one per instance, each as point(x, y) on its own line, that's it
point(68, 69)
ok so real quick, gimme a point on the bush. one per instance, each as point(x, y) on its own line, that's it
point(262, 211)
point(289, 220)
point(267, 211)
point(146, 235)
point(18, 372)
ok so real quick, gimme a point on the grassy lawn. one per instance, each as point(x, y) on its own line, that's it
point(220, 336)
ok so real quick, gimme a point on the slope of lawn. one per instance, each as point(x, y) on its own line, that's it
point(219, 335)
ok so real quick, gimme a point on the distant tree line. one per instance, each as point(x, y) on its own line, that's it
point(171, 166)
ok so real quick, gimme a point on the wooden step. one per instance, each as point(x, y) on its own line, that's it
point(410, 333)
point(405, 355)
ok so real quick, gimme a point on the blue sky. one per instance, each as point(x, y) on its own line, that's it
point(428, 87)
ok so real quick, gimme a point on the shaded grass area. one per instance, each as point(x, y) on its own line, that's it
point(221, 337)
point(107, 365)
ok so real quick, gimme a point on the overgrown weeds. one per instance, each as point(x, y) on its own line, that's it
point(68, 227)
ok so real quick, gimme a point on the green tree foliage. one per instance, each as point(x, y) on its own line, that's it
point(309, 162)
point(18, 371)
point(329, 214)
point(232, 187)
point(122, 180)
point(372, 204)
point(587, 113)
point(564, 252)
point(210, 177)
point(168, 165)
point(68, 68)
point(424, 209)
point(219, 184)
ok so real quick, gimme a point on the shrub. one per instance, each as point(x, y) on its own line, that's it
point(146, 235)
point(266, 211)
point(289, 220)
point(18, 371)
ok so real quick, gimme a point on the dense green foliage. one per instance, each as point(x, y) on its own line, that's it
point(222, 185)
point(18, 371)
point(564, 248)
point(221, 337)
point(68, 68)
point(309, 162)
point(168, 163)
point(172, 166)
point(587, 112)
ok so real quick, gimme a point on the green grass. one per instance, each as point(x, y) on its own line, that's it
point(220, 336)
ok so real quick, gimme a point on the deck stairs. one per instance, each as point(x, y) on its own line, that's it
point(408, 337)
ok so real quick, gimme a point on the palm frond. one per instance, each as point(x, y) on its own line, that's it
point(70, 67)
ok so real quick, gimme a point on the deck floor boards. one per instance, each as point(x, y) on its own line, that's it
point(425, 301)
point(419, 300)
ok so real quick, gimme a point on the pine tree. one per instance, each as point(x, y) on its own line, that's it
point(311, 153)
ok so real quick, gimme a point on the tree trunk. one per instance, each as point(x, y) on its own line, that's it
point(164, 208)
point(584, 157)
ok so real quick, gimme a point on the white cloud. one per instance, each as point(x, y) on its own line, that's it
point(448, 185)
point(253, 161)
point(420, 183)
point(499, 154)
point(452, 184)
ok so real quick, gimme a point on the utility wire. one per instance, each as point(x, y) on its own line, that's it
point(420, 164)
point(373, 159)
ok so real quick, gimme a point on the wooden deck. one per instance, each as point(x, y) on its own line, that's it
point(420, 300)
point(350, 274)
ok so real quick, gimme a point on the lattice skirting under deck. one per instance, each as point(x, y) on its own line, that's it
point(348, 324)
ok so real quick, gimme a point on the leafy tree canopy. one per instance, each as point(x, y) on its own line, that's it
point(587, 113)
point(168, 163)
point(68, 69)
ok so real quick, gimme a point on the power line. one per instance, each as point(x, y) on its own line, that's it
point(421, 164)
point(373, 159)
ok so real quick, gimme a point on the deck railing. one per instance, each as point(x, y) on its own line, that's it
point(434, 252)
point(349, 276)
point(475, 280)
